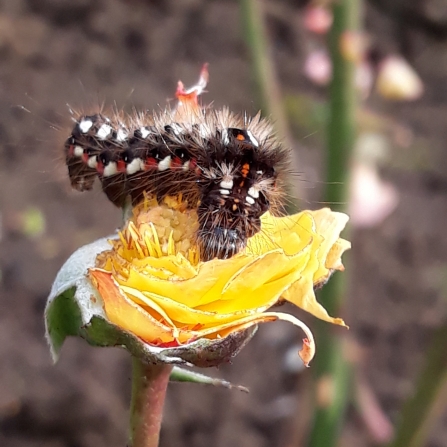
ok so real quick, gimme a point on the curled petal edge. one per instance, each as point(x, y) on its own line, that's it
point(148, 327)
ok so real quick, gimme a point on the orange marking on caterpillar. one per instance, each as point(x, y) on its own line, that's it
point(245, 170)
point(193, 166)
point(176, 163)
point(150, 163)
point(121, 166)
point(100, 167)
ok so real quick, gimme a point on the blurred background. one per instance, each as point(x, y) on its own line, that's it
point(358, 89)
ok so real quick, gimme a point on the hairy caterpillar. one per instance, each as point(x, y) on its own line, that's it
point(229, 167)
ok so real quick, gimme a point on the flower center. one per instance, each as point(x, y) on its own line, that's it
point(156, 230)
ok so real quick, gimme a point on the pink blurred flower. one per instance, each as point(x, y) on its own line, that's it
point(318, 67)
point(372, 199)
point(317, 19)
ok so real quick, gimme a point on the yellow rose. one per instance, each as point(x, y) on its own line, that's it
point(154, 285)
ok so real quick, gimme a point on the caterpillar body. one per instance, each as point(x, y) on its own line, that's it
point(229, 167)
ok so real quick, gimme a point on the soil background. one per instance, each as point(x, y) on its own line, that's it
point(132, 53)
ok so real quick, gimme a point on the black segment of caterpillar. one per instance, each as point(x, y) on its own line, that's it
point(228, 167)
point(128, 161)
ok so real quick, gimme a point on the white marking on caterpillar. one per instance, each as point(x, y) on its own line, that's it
point(204, 131)
point(253, 192)
point(110, 169)
point(103, 131)
point(78, 151)
point(259, 172)
point(225, 139)
point(134, 166)
point(165, 163)
point(250, 200)
point(253, 140)
point(224, 192)
point(226, 183)
point(177, 129)
point(121, 135)
point(84, 125)
point(92, 162)
point(185, 166)
point(145, 132)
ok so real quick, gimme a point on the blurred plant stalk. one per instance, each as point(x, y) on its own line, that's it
point(429, 400)
point(268, 90)
point(331, 371)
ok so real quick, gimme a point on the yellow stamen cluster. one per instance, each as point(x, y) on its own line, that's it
point(156, 230)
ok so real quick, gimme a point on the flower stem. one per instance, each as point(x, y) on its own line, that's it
point(331, 370)
point(149, 384)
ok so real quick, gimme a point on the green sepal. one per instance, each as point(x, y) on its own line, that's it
point(185, 375)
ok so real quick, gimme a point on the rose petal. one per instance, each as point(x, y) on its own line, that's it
point(290, 233)
point(333, 260)
point(330, 224)
point(126, 314)
point(149, 329)
point(302, 295)
point(263, 293)
point(209, 282)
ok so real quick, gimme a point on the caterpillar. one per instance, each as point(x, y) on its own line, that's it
point(229, 167)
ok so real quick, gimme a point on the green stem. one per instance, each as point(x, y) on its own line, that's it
point(149, 384)
point(331, 371)
point(263, 68)
point(342, 105)
point(332, 379)
point(425, 407)
point(253, 25)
